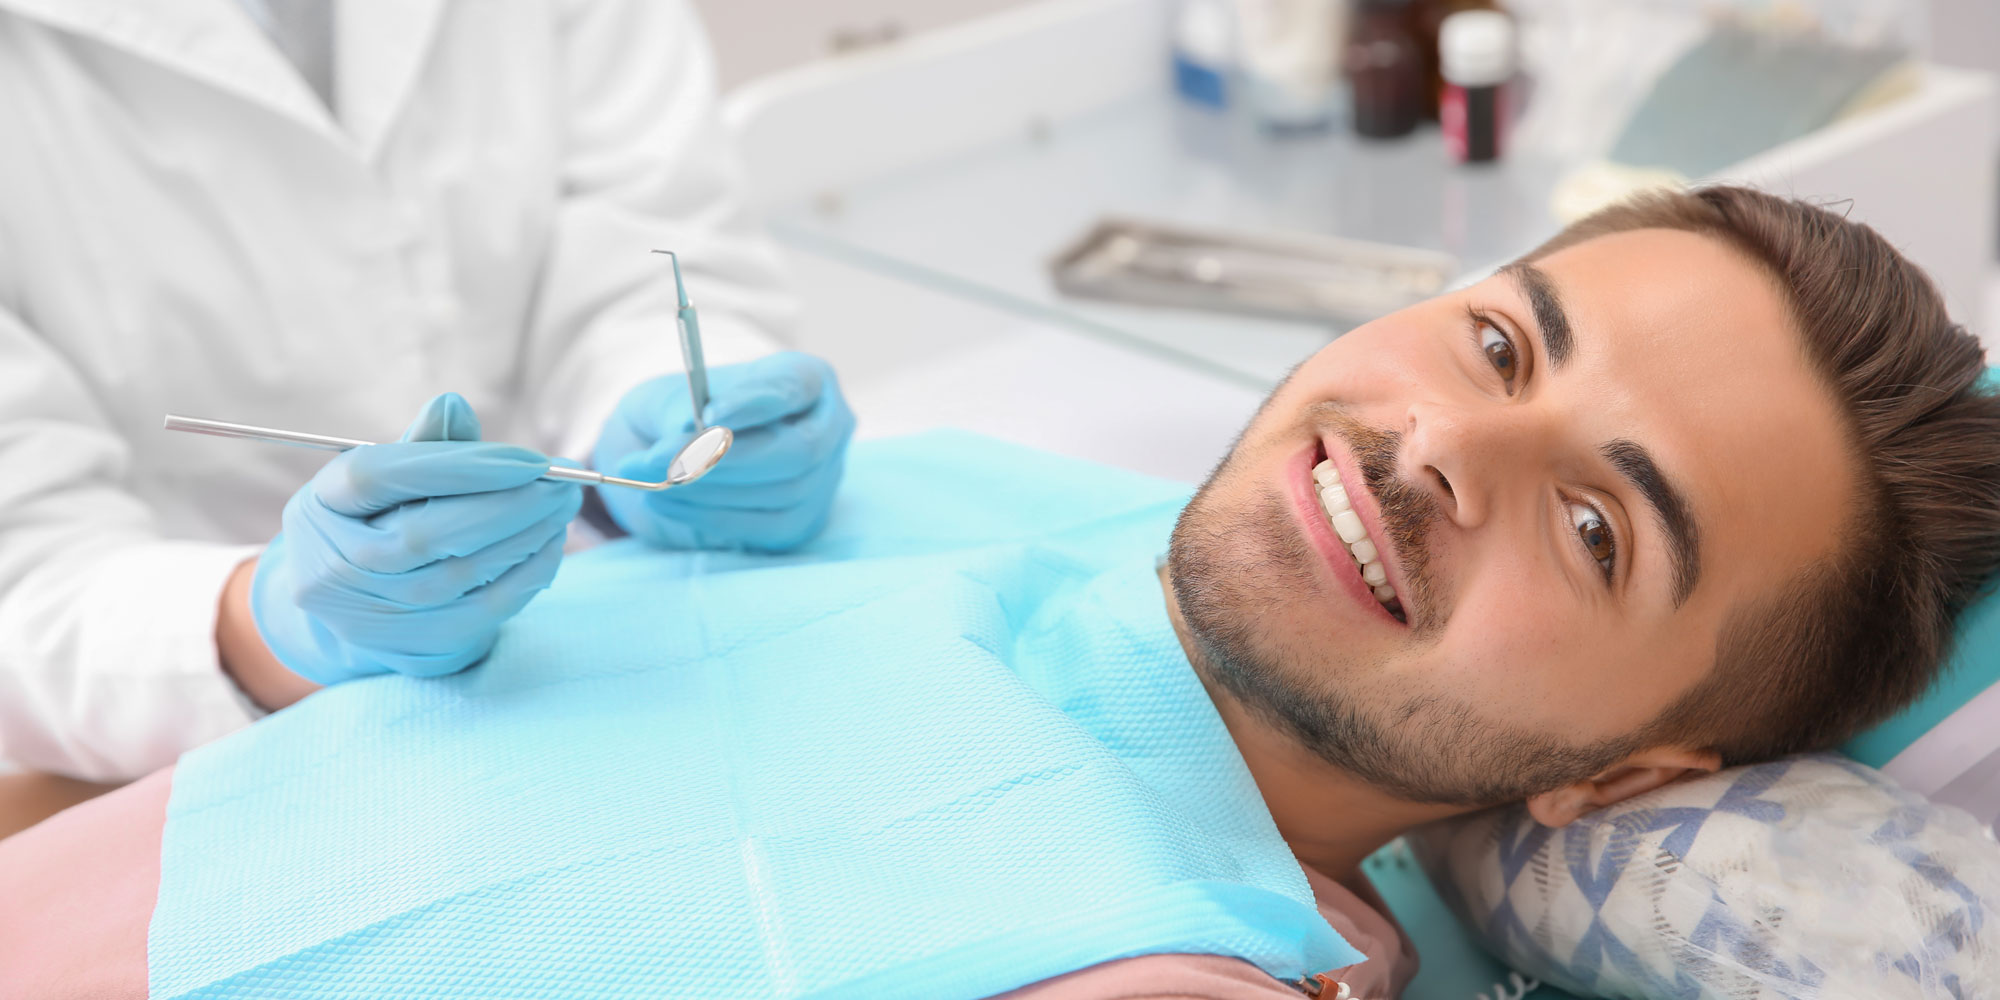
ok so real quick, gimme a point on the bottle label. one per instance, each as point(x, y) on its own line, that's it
point(1473, 120)
point(1200, 83)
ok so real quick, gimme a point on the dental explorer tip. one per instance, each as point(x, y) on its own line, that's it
point(680, 288)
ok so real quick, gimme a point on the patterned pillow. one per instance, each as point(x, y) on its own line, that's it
point(1808, 877)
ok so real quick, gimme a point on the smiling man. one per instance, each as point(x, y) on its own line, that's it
point(1704, 480)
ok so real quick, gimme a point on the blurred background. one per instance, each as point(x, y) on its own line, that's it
point(1108, 227)
point(754, 38)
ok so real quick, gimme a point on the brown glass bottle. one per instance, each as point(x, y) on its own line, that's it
point(1385, 70)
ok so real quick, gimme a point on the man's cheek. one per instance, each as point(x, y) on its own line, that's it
point(1506, 645)
point(1391, 353)
point(1340, 371)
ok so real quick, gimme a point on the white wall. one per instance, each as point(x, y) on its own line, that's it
point(756, 37)
point(1966, 33)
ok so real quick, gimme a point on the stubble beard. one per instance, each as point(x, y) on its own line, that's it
point(1229, 567)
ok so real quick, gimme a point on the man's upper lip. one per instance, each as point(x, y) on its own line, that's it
point(1363, 502)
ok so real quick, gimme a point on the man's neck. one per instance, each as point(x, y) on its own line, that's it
point(1330, 819)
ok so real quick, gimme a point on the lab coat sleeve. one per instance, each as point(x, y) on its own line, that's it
point(108, 666)
point(648, 164)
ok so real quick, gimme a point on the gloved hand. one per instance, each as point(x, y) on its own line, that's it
point(406, 557)
point(772, 492)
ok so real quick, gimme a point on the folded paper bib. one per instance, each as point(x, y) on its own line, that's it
point(951, 750)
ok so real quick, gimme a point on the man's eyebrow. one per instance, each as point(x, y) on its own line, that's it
point(1548, 307)
point(1670, 508)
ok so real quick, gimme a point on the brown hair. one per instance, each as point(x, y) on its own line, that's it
point(1864, 633)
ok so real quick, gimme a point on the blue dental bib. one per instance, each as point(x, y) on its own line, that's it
point(952, 749)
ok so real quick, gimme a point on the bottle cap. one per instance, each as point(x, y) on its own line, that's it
point(1203, 33)
point(1476, 48)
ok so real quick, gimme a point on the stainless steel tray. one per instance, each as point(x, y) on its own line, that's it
point(1290, 275)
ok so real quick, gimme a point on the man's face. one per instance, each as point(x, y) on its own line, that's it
point(1572, 474)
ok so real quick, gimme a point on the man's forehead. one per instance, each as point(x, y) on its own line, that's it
point(1687, 346)
point(1653, 297)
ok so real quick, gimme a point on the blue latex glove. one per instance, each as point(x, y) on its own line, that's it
point(771, 492)
point(406, 557)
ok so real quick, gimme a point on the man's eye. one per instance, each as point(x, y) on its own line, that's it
point(1499, 351)
point(1595, 534)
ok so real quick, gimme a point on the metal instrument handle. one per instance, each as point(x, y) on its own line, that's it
point(327, 442)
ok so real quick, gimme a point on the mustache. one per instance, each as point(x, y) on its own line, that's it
point(1409, 513)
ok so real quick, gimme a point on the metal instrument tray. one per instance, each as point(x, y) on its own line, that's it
point(1287, 275)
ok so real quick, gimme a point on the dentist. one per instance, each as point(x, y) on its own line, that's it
point(319, 214)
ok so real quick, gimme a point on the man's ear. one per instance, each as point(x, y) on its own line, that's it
point(1635, 775)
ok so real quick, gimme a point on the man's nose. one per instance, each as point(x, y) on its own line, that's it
point(1468, 458)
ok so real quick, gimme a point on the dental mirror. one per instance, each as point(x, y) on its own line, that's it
point(699, 455)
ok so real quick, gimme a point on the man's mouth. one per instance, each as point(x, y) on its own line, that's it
point(1353, 535)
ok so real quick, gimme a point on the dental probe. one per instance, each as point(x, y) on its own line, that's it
point(691, 359)
point(691, 463)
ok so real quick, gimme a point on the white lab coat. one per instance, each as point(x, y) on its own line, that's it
point(185, 228)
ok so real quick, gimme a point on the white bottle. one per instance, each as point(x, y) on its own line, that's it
point(1290, 54)
point(1204, 51)
point(1476, 58)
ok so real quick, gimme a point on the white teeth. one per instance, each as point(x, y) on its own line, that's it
point(1347, 524)
point(1333, 500)
point(1364, 551)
